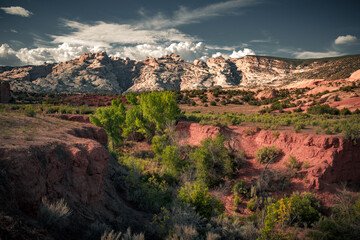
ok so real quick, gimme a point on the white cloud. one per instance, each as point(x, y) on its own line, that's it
point(242, 53)
point(309, 54)
point(348, 39)
point(102, 34)
point(189, 51)
point(187, 16)
point(235, 54)
point(8, 56)
point(16, 10)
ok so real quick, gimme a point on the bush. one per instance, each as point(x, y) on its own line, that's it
point(240, 188)
point(292, 163)
point(344, 222)
point(159, 143)
point(172, 161)
point(30, 111)
point(212, 161)
point(54, 215)
point(198, 196)
point(267, 154)
point(299, 209)
point(276, 134)
point(323, 109)
point(213, 103)
point(345, 111)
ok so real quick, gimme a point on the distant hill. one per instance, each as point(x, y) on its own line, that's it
point(99, 73)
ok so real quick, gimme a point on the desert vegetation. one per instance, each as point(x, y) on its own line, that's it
point(179, 187)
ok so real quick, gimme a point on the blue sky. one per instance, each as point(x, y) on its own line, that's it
point(34, 31)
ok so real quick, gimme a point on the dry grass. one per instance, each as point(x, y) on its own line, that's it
point(17, 129)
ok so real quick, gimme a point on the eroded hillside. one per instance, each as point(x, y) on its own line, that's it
point(98, 73)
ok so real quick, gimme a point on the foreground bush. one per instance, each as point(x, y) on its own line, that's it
point(54, 214)
point(286, 212)
point(212, 161)
point(344, 222)
point(197, 195)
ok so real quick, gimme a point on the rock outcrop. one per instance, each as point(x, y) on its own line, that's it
point(73, 170)
point(99, 73)
point(5, 94)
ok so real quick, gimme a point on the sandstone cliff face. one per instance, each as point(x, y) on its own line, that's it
point(73, 169)
point(331, 159)
point(98, 73)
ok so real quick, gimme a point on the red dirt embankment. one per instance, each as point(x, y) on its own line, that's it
point(330, 159)
point(70, 165)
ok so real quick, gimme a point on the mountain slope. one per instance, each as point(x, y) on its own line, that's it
point(98, 73)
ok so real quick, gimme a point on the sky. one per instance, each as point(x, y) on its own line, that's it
point(38, 31)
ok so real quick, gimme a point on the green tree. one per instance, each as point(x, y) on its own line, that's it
point(159, 107)
point(136, 122)
point(131, 99)
point(112, 119)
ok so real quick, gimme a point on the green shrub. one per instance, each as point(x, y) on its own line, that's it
point(292, 163)
point(197, 195)
point(323, 109)
point(251, 204)
point(159, 143)
point(213, 103)
point(267, 154)
point(351, 129)
point(172, 161)
point(240, 189)
point(212, 161)
point(343, 223)
point(345, 111)
point(30, 111)
point(297, 209)
point(276, 134)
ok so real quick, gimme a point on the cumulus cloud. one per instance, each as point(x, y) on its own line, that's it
point(189, 51)
point(102, 34)
point(153, 36)
point(309, 54)
point(348, 39)
point(16, 10)
point(8, 56)
point(242, 53)
point(235, 54)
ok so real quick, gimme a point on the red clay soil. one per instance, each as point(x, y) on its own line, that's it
point(331, 159)
point(351, 103)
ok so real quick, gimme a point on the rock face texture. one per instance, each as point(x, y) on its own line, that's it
point(5, 94)
point(331, 159)
point(99, 73)
point(72, 170)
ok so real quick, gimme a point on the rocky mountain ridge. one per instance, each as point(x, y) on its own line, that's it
point(99, 73)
